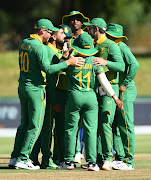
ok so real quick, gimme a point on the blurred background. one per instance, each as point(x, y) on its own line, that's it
point(17, 19)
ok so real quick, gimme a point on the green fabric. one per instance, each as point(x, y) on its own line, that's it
point(124, 121)
point(45, 24)
point(33, 58)
point(115, 30)
point(83, 78)
point(109, 51)
point(83, 44)
point(59, 108)
point(67, 31)
point(98, 22)
point(131, 66)
point(80, 103)
point(107, 108)
point(32, 116)
point(123, 126)
point(44, 141)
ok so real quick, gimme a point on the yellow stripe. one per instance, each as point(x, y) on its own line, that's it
point(39, 124)
point(50, 129)
point(126, 127)
point(110, 131)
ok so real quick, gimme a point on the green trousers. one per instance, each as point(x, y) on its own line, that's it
point(32, 115)
point(43, 143)
point(107, 109)
point(84, 105)
point(123, 128)
point(59, 108)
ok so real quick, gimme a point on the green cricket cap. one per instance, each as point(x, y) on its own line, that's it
point(45, 24)
point(98, 22)
point(67, 30)
point(115, 30)
point(66, 18)
point(83, 44)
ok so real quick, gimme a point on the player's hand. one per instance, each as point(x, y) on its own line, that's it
point(99, 61)
point(122, 88)
point(75, 61)
point(118, 102)
point(66, 53)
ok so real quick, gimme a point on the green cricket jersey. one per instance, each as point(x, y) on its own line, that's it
point(109, 50)
point(131, 66)
point(54, 55)
point(83, 78)
point(33, 58)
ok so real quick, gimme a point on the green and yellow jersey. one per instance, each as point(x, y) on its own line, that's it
point(83, 78)
point(109, 50)
point(33, 58)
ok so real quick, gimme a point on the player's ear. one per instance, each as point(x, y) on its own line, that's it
point(41, 31)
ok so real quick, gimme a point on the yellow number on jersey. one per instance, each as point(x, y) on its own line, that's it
point(24, 59)
point(88, 75)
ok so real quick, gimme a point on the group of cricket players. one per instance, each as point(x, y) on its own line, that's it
point(77, 85)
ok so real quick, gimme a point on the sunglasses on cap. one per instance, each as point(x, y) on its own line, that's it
point(49, 31)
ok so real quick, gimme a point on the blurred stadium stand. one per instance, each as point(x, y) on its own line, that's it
point(10, 116)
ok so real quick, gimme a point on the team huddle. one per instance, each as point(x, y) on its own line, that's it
point(76, 82)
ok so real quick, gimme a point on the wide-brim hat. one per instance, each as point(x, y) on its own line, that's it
point(115, 30)
point(45, 24)
point(83, 44)
point(66, 18)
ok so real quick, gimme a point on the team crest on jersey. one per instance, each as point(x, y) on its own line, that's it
point(102, 50)
point(118, 30)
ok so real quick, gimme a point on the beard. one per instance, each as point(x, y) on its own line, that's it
point(60, 43)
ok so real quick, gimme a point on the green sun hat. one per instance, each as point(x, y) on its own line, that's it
point(45, 24)
point(98, 22)
point(115, 30)
point(67, 30)
point(66, 18)
point(83, 44)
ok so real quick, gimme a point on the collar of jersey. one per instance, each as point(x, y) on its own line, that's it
point(101, 39)
point(117, 41)
point(81, 33)
point(35, 36)
point(52, 47)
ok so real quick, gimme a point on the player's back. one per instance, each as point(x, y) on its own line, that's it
point(83, 78)
point(30, 67)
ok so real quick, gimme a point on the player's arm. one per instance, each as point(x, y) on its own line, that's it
point(44, 61)
point(131, 63)
point(117, 64)
point(108, 89)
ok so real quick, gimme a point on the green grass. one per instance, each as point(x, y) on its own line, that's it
point(9, 73)
point(142, 145)
point(142, 165)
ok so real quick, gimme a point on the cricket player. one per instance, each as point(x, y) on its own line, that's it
point(123, 126)
point(33, 58)
point(59, 104)
point(75, 20)
point(109, 56)
point(44, 140)
point(82, 102)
